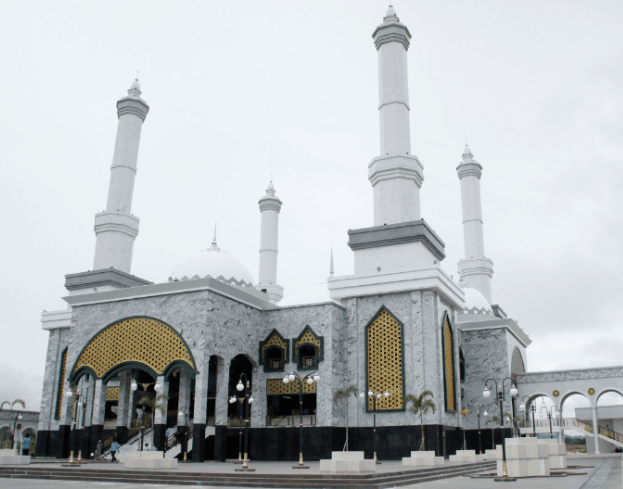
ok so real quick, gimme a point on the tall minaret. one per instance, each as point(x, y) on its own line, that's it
point(270, 205)
point(116, 228)
point(476, 270)
point(396, 175)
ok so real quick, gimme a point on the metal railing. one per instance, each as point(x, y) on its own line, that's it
point(294, 420)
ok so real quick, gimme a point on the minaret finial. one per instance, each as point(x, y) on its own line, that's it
point(391, 16)
point(331, 263)
point(468, 157)
point(135, 88)
point(270, 190)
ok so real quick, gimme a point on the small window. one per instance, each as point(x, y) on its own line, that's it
point(308, 356)
point(274, 359)
point(461, 366)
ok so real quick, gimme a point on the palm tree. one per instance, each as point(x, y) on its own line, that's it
point(146, 420)
point(463, 413)
point(12, 404)
point(420, 405)
point(345, 394)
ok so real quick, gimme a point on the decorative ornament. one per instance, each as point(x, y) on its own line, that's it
point(556, 393)
point(591, 391)
point(19, 426)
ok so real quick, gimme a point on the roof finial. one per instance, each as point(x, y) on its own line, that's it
point(214, 245)
point(331, 263)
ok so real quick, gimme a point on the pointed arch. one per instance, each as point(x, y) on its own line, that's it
point(385, 361)
point(61, 385)
point(309, 341)
point(449, 378)
point(274, 351)
point(517, 365)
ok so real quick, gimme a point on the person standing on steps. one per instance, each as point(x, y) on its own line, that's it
point(114, 447)
point(26, 445)
point(98, 450)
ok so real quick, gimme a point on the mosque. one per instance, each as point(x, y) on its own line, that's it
point(399, 325)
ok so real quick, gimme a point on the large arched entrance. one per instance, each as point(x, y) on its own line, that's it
point(121, 377)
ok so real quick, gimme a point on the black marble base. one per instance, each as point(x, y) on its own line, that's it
point(160, 436)
point(199, 445)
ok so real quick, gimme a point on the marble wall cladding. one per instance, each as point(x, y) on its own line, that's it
point(57, 342)
point(485, 358)
point(325, 320)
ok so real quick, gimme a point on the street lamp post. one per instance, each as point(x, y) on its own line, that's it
point(549, 417)
point(245, 389)
point(374, 397)
point(485, 414)
point(184, 417)
point(73, 433)
point(310, 379)
point(500, 398)
point(134, 387)
point(17, 416)
point(522, 408)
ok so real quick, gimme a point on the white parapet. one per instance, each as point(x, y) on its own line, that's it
point(427, 458)
point(9, 456)
point(148, 460)
point(347, 462)
point(525, 457)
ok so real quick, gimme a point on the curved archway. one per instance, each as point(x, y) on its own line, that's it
point(606, 391)
point(137, 342)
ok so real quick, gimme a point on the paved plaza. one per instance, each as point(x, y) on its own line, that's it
point(600, 473)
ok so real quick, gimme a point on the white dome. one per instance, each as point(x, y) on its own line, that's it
point(314, 294)
point(214, 263)
point(476, 303)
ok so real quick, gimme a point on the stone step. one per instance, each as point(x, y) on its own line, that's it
point(310, 481)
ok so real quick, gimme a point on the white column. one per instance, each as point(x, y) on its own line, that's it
point(476, 270)
point(99, 403)
point(396, 175)
point(201, 394)
point(160, 418)
point(595, 429)
point(125, 385)
point(184, 396)
point(88, 400)
point(222, 395)
point(270, 206)
point(116, 228)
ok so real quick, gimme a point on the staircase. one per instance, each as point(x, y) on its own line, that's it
point(230, 478)
point(132, 444)
point(586, 428)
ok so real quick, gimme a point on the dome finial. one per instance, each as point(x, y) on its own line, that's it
point(391, 16)
point(331, 263)
point(214, 245)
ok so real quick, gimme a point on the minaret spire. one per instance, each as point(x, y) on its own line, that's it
point(475, 270)
point(270, 206)
point(214, 246)
point(396, 175)
point(116, 228)
point(331, 263)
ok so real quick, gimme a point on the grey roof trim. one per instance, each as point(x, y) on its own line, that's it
point(589, 369)
point(392, 234)
point(251, 297)
point(101, 277)
point(311, 304)
point(507, 323)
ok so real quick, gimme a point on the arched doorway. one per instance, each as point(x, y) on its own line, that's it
point(238, 366)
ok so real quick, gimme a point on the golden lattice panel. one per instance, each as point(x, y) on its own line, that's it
point(275, 340)
point(308, 337)
point(449, 363)
point(139, 340)
point(61, 385)
point(112, 394)
point(385, 367)
point(276, 387)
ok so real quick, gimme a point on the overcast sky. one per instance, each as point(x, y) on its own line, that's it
point(242, 90)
